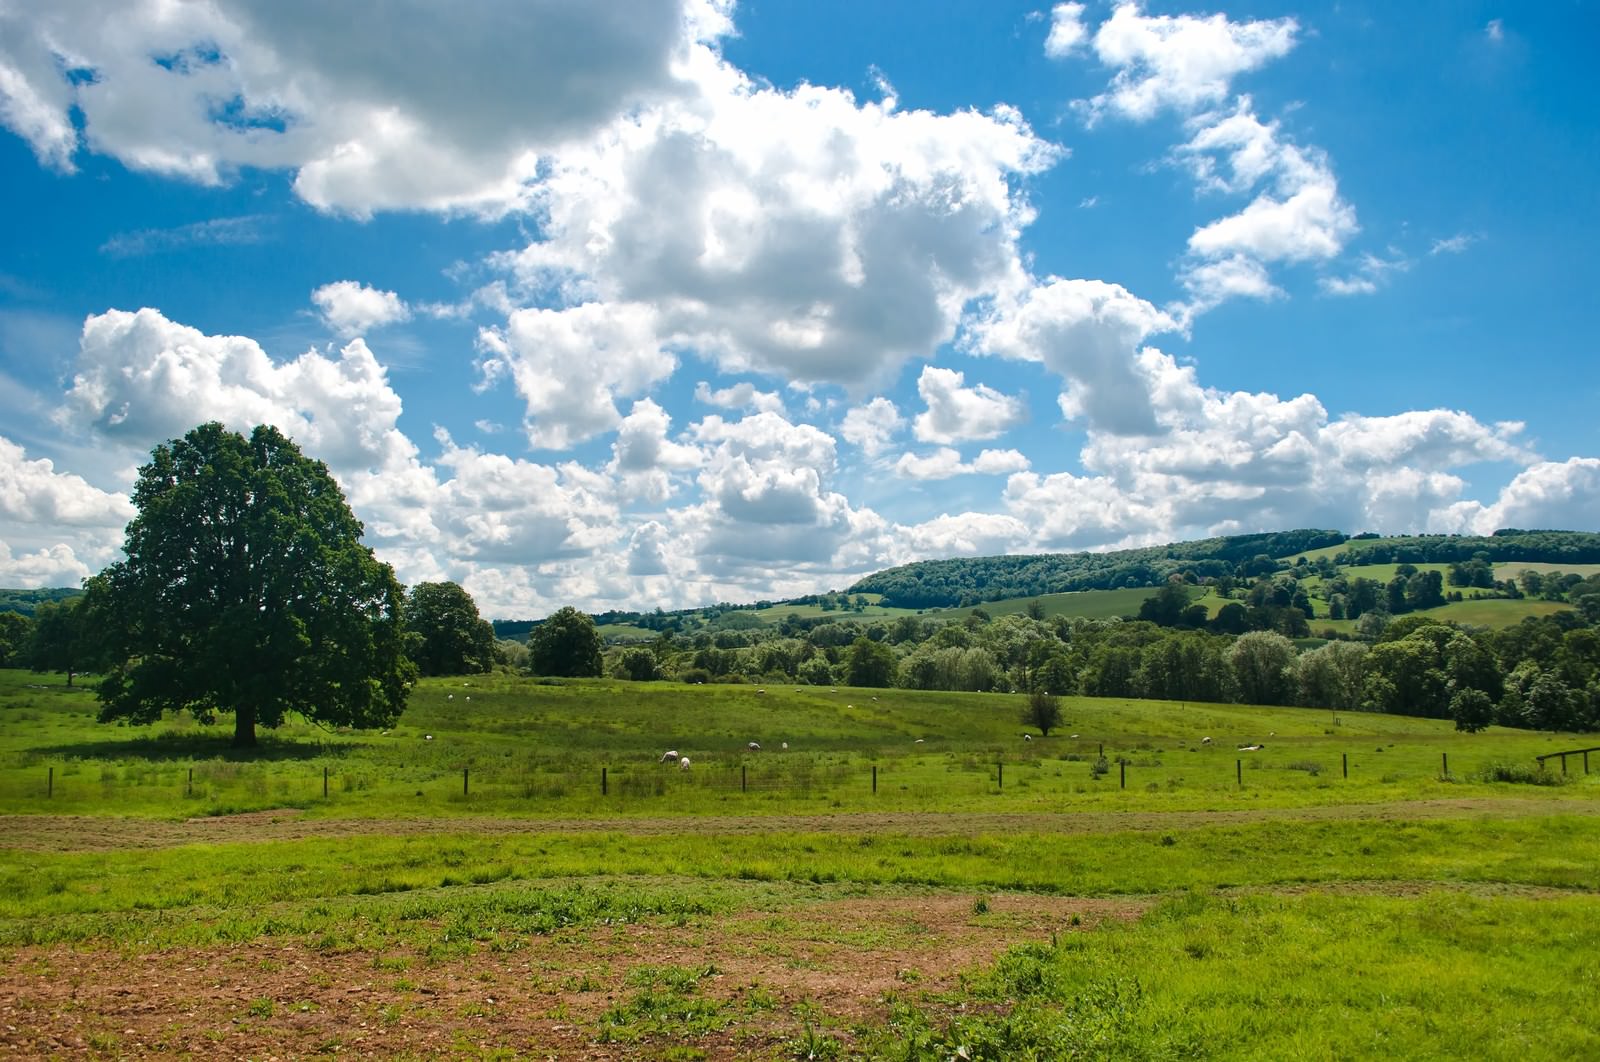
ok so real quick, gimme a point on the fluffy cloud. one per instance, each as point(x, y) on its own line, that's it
point(141, 379)
point(1181, 62)
point(33, 492)
point(435, 112)
point(1545, 494)
point(872, 426)
point(1067, 31)
point(1088, 332)
point(643, 458)
point(945, 462)
point(957, 413)
point(740, 396)
point(55, 528)
point(798, 233)
point(570, 366)
point(353, 309)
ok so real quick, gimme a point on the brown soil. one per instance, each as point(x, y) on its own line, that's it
point(835, 964)
point(95, 833)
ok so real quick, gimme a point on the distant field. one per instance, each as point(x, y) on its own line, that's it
point(1494, 613)
point(1510, 569)
point(909, 879)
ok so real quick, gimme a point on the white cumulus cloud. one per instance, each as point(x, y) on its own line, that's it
point(352, 309)
point(957, 413)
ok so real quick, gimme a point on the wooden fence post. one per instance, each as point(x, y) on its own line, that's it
point(1444, 762)
point(463, 781)
point(1123, 764)
point(874, 777)
point(1344, 761)
point(603, 786)
point(191, 783)
point(50, 784)
point(1000, 774)
point(742, 785)
point(324, 783)
point(1238, 772)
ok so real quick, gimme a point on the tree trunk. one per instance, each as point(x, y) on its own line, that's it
point(244, 727)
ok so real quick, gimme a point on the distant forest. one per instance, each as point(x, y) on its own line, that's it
point(970, 581)
point(27, 602)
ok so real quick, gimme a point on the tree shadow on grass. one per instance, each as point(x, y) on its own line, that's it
point(200, 746)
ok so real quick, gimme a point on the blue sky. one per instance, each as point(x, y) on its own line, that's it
point(678, 301)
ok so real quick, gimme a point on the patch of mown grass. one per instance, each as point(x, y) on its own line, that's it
point(1310, 975)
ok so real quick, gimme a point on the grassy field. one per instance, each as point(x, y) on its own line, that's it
point(991, 898)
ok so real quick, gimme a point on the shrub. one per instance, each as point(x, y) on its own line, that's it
point(1520, 774)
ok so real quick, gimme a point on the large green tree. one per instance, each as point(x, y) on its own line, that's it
point(567, 644)
point(246, 589)
point(446, 636)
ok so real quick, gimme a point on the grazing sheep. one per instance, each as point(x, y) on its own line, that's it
point(669, 756)
point(1027, 737)
point(754, 746)
point(449, 696)
point(427, 737)
point(683, 764)
point(1251, 748)
point(761, 691)
point(917, 742)
point(1205, 741)
point(786, 745)
point(1074, 737)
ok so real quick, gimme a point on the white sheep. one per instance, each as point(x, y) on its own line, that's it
point(761, 691)
point(1074, 737)
point(1027, 737)
point(683, 764)
point(669, 756)
point(449, 696)
point(427, 737)
point(1251, 748)
point(754, 746)
point(917, 742)
point(786, 746)
point(1205, 741)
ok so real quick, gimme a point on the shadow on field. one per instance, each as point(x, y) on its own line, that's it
point(217, 746)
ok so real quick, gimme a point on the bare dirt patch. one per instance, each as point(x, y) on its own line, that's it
point(97, 833)
point(834, 963)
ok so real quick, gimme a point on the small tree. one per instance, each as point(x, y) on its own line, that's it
point(869, 663)
point(446, 636)
point(1043, 710)
point(566, 645)
point(639, 665)
point(1472, 710)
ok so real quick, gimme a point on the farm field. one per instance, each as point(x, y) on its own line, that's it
point(992, 898)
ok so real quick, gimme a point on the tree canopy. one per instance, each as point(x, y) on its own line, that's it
point(445, 634)
point(246, 589)
point(566, 645)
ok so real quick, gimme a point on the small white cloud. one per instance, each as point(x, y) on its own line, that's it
point(946, 462)
point(1181, 62)
point(1067, 31)
point(872, 426)
point(740, 396)
point(1495, 30)
point(1453, 244)
point(1371, 274)
point(957, 413)
point(351, 309)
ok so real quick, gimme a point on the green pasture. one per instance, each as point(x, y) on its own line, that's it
point(1511, 569)
point(1404, 911)
point(514, 746)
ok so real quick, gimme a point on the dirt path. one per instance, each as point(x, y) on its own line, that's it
point(833, 963)
point(99, 833)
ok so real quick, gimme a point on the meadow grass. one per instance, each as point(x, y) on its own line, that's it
point(1400, 912)
point(538, 749)
point(1305, 976)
